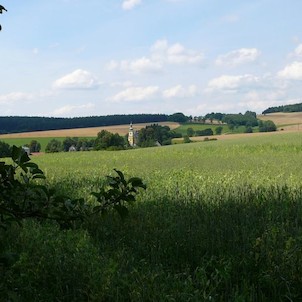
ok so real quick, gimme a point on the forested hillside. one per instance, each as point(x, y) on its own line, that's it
point(284, 108)
point(12, 124)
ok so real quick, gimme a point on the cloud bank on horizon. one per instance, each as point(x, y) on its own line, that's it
point(69, 58)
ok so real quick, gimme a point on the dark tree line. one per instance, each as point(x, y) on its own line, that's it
point(13, 124)
point(284, 108)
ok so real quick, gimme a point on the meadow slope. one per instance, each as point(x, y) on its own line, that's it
point(287, 121)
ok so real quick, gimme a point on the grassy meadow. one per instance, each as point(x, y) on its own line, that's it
point(219, 221)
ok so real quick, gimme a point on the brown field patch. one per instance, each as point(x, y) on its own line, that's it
point(84, 132)
point(290, 120)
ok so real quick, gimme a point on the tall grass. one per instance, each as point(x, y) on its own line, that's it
point(220, 221)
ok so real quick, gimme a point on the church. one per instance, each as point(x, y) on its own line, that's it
point(132, 136)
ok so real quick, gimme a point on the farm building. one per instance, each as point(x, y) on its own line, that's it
point(26, 150)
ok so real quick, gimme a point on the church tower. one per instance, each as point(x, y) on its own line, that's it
point(131, 136)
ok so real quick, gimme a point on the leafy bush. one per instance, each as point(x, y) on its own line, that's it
point(248, 130)
point(205, 132)
point(218, 130)
point(267, 126)
point(150, 135)
point(34, 146)
point(54, 146)
point(22, 197)
point(5, 149)
point(186, 139)
point(106, 140)
point(190, 132)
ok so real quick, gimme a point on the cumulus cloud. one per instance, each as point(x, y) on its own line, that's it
point(229, 83)
point(298, 50)
point(78, 79)
point(130, 4)
point(238, 57)
point(67, 109)
point(292, 71)
point(161, 53)
point(175, 53)
point(16, 97)
point(141, 65)
point(180, 92)
point(135, 94)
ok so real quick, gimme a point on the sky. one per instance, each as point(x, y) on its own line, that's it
point(68, 58)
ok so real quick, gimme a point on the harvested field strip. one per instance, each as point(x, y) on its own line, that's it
point(83, 132)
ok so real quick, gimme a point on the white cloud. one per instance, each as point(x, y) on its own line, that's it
point(112, 65)
point(292, 71)
point(229, 83)
point(78, 79)
point(161, 53)
point(176, 53)
point(239, 56)
point(141, 65)
point(130, 4)
point(134, 94)
point(67, 109)
point(180, 92)
point(298, 50)
point(16, 97)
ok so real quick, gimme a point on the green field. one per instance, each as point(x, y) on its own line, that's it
point(26, 141)
point(225, 129)
point(219, 221)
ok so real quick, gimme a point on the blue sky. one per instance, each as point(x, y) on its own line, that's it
point(68, 58)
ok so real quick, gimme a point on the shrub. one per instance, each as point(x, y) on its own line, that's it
point(54, 146)
point(205, 132)
point(34, 146)
point(5, 149)
point(186, 139)
point(218, 130)
point(267, 126)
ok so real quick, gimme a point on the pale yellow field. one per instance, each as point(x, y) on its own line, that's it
point(84, 132)
point(287, 121)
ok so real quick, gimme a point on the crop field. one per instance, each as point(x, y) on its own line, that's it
point(82, 132)
point(219, 221)
point(288, 121)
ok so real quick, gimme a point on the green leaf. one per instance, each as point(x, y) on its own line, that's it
point(39, 176)
point(122, 210)
point(137, 182)
point(24, 158)
point(16, 152)
point(30, 165)
point(121, 176)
